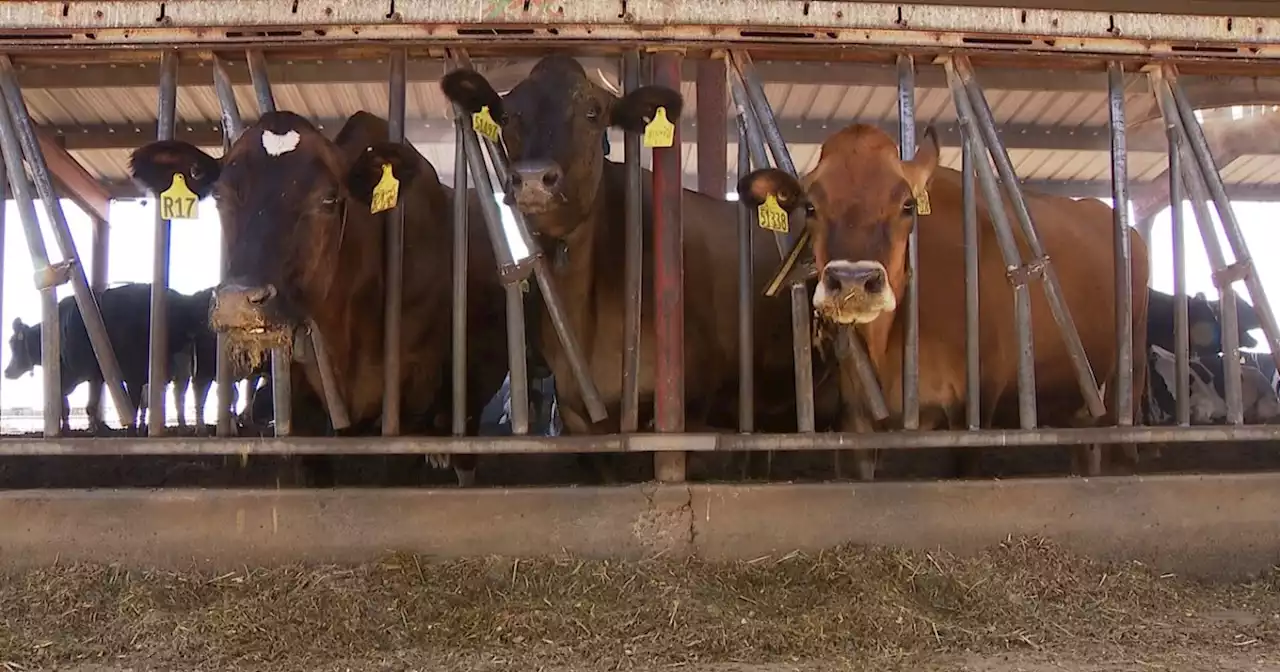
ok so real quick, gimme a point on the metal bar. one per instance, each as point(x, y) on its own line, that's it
point(746, 300)
point(546, 283)
point(634, 267)
point(85, 300)
point(802, 340)
point(1226, 213)
point(668, 281)
point(394, 251)
point(158, 369)
point(232, 127)
point(459, 306)
point(1181, 334)
point(50, 338)
point(985, 121)
point(261, 82)
point(1008, 250)
point(1123, 250)
point(911, 346)
point(328, 381)
point(100, 247)
point(517, 355)
point(972, 344)
point(282, 391)
point(647, 443)
point(712, 127)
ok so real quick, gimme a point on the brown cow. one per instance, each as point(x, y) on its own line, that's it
point(859, 201)
point(553, 125)
point(302, 243)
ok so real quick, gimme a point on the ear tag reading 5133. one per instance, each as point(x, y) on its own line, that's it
point(772, 216)
point(922, 203)
point(484, 124)
point(660, 132)
point(386, 193)
point(178, 201)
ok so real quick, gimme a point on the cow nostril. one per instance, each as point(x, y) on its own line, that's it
point(832, 282)
point(551, 178)
point(262, 295)
point(516, 180)
point(875, 283)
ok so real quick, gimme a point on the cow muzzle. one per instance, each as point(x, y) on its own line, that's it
point(250, 317)
point(853, 292)
point(537, 186)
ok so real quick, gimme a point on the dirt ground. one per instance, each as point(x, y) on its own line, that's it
point(1025, 605)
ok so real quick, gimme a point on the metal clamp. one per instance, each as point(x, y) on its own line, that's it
point(54, 275)
point(518, 272)
point(1021, 276)
point(1229, 275)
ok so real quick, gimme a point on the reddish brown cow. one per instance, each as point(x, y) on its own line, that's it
point(860, 199)
point(553, 123)
point(302, 243)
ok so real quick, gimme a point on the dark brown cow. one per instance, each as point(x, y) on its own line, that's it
point(860, 199)
point(553, 123)
point(302, 243)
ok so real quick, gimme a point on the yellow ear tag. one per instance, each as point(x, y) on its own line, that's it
point(922, 203)
point(386, 192)
point(484, 124)
point(772, 216)
point(660, 132)
point(178, 201)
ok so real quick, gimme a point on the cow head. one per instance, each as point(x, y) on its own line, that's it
point(859, 203)
point(24, 349)
point(554, 124)
point(283, 193)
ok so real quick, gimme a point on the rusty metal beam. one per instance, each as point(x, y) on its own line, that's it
point(76, 182)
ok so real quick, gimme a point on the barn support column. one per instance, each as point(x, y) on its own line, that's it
point(100, 247)
point(1199, 147)
point(513, 274)
point(634, 267)
point(1123, 255)
point(25, 142)
point(975, 114)
point(668, 280)
point(1181, 333)
point(159, 361)
point(232, 126)
point(392, 309)
point(911, 334)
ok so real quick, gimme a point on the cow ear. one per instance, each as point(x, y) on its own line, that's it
point(153, 166)
point(17, 324)
point(366, 171)
point(472, 91)
point(758, 185)
point(798, 266)
point(635, 110)
point(919, 170)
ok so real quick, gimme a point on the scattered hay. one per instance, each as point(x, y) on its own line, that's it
point(854, 603)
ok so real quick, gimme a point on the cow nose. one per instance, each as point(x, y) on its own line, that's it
point(844, 279)
point(260, 295)
point(237, 305)
point(536, 181)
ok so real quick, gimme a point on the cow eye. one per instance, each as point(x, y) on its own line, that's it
point(909, 207)
point(810, 211)
point(593, 112)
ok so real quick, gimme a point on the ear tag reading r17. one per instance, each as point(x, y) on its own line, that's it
point(484, 124)
point(660, 132)
point(386, 193)
point(772, 216)
point(922, 203)
point(178, 201)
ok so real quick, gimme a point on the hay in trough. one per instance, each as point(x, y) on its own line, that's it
point(878, 607)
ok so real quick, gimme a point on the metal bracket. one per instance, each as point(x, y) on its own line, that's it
point(1229, 275)
point(1023, 275)
point(518, 272)
point(54, 275)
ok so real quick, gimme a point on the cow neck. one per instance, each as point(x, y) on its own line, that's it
point(574, 263)
point(876, 336)
point(327, 306)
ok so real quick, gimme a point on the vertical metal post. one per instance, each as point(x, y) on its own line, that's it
point(712, 127)
point(1181, 334)
point(1226, 213)
point(100, 247)
point(50, 338)
point(391, 355)
point(232, 127)
point(87, 304)
point(985, 124)
point(746, 299)
point(634, 267)
point(459, 305)
point(668, 281)
point(1123, 251)
point(972, 344)
point(158, 372)
point(911, 348)
point(1008, 250)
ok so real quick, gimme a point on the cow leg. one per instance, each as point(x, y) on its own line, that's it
point(180, 388)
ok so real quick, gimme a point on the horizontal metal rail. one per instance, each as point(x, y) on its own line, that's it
point(130, 23)
point(640, 443)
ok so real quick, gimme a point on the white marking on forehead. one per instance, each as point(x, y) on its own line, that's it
point(280, 144)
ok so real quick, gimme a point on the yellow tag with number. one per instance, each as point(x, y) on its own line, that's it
point(178, 201)
point(484, 124)
point(386, 193)
point(922, 203)
point(772, 216)
point(660, 132)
